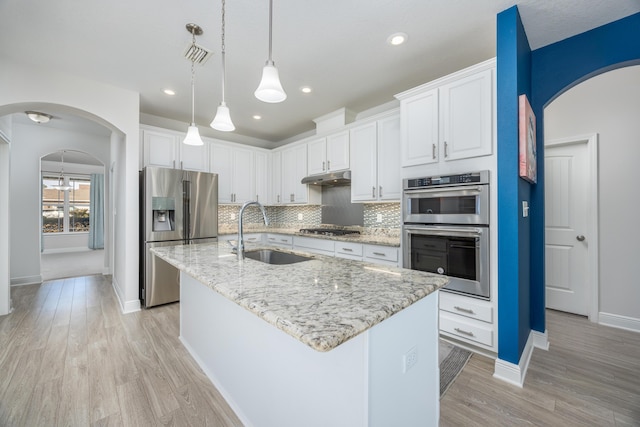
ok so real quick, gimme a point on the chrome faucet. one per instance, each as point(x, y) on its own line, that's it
point(240, 248)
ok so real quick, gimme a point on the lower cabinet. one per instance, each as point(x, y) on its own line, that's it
point(280, 240)
point(316, 246)
point(383, 255)
point(349, 250)
point(468, 319)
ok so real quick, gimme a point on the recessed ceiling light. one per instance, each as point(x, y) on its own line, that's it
point(397, 39)
point(169, 92)
point(306, 89)
point(257, 116)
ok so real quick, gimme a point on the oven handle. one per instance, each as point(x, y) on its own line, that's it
point(446, 231)
point(467, 189)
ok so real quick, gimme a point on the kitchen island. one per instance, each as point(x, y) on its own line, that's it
point(320, 342)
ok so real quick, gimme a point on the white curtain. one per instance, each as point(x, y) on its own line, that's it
point(96, 212)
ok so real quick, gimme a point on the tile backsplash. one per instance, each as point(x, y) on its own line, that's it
point(308, 216)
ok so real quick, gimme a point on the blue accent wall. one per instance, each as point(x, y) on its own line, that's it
point(514, 79)
point(543, 75)
point(555, 69)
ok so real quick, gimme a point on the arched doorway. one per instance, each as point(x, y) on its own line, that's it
point(72, 205)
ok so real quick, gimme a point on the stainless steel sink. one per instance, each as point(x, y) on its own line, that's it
point(270, 256)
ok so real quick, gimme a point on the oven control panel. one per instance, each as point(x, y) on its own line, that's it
point(481, 177)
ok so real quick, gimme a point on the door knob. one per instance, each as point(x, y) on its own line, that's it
point(580, 238)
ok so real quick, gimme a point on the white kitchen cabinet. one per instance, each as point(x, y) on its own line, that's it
point(466, 119)
point(261, 172)
point(165, 149)
point(469, 320)
point(236, 173)
point(275, 191)
point(328, 154)
point(383, 255)
point(316, 246)
point(280, 240)
point(450, 119)
point(375, 164)
point(349, 250)
point(294, 168)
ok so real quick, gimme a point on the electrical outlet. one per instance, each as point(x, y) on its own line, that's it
point(409, 359)
point(379, 218)
point(300, 217)
point(233, 216)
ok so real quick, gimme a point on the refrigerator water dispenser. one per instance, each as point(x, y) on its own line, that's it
point(164, 213)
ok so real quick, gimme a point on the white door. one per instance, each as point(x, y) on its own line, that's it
point(566, 221)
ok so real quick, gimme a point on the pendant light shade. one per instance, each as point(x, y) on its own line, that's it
point(270, 90)
point(193, 135)
point(62, 185)
point(222, 120)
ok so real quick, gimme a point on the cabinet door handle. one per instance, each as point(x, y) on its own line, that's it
point(380, 254)
point(181, 164)
point(463, 332)
point(284, 240)
point(278, 198)
point(380, 191)
point(373, 192)
point(292, 197)
point(347, 250)
point(322, 166)
point(328, 164)
point(433, 151)
point(257, 198)
point(464, 310)
point(174, 164)
point(446, 149)
point(272, 239)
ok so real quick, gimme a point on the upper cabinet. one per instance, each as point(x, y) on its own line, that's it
point(449, 119)
point(241, 173)
point(328, 154)
point(294, 168)
point(375, 164)
point(165, 149)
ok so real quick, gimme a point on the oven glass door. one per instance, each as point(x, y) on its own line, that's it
point(461, 253)
point(449, 205)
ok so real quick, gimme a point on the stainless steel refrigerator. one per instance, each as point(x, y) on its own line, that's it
point(176, 207)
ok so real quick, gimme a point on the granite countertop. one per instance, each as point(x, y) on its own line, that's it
point(322, 302)
point(380, 238)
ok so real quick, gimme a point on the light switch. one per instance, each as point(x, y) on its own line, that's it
point(525, 209)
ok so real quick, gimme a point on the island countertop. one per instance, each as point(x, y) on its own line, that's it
point(322, 302)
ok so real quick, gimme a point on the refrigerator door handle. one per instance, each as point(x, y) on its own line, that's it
point(186, 217)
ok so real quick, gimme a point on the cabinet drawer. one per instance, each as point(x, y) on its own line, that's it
point(387, 253)
point(279, 239)
point(349, 248)
point(316, 246)
point(253, 238)
point(465, 306)
point(465, 328)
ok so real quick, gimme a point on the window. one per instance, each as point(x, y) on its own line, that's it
point(65, 211)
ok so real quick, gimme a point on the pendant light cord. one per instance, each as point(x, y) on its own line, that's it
point(270, 30)
point(193, 84)
point(224, 65)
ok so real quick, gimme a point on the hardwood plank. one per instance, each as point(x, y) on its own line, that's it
point(44, 403)
point(102, 385)
point(135, 408)
point(54, 356)
point(17, 396)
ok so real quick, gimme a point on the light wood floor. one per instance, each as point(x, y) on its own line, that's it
point(589, 377)
point(69, 357)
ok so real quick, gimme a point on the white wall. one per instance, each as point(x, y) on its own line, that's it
point(26, 88)
point(5, 139)
point(609, 105)
point(29, 144)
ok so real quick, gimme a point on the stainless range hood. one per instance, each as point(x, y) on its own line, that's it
point(332, 178)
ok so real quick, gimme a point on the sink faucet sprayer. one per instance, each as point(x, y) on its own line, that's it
point(240, 248)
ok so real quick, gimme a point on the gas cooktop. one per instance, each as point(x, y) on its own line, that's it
point(328, 231)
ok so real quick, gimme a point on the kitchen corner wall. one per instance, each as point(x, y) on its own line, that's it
point(287, 216)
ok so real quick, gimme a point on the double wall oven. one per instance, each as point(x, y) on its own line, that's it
point(446, 230)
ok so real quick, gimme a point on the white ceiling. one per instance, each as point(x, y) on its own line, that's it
point(338, 47)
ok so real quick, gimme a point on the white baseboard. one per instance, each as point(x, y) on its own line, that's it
point(620, 322)
point(541, 340)
point(26, 280)
point(126, 306)
point(66, 250)
point(512, 373)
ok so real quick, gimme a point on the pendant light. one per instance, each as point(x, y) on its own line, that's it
point(222, 120)
point(62, 186)
point(270, 90)
point(193, 135)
